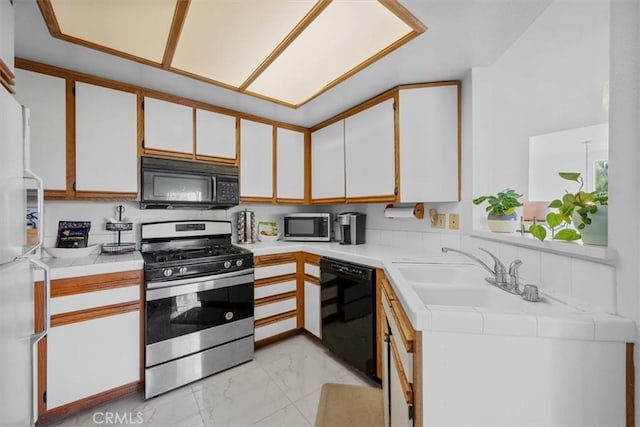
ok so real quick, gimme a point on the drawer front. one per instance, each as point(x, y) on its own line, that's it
point(275, 328)
point(273, 308)
point(406, 358)
point(94, 299)
point(272, 259)
point(274, 289)
point(312, 270)
point(274, 270)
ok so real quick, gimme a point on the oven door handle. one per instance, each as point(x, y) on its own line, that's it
point(175, 282)
point(201, 286)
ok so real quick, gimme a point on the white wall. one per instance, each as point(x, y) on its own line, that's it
point(550, 79)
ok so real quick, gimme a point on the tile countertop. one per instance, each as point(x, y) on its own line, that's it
point(566, 323)
point(62, 268)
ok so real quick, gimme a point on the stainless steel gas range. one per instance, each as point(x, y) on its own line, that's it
point(199, 302)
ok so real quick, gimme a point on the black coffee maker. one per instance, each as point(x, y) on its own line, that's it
point(352, 226)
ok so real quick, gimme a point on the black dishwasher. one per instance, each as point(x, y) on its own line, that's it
point(348, 301)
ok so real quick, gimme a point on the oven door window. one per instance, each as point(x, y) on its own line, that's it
point(175, 187)
point(183, 314)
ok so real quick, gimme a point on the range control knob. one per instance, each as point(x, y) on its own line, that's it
point(167, 272)
point(227, 264)
point(239, 263)
point(183, 270)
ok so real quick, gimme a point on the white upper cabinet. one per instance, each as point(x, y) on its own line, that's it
point(327, 162)
point(45, 97)
point(370, 152)
point(6, 39)
point(290, 164)
point(167, 126)
point(215, 135)
point(429, 144)
point(106, 139)
point(256, 159)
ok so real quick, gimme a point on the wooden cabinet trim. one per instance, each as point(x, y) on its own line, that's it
point(312, 279)
point(407, 333)
point(87, 402)
point(358, 108)
point(103, 195)
point(274, 259)
point(273, 319)
point(630, 386)
point(97, 282)
point(417, 380)
point(275, 298)
point(312, 259)
point(329, 200)
point(93, 313)
point(275, 279)
point(372, 199)
point(7, 78)
point(407, 389)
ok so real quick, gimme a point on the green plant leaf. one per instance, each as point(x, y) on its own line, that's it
point(479, 200)
point(568, 235)
point(553, 219)
point(538, 231)
point(568, 199)
point(570, 176)
point(555, 204)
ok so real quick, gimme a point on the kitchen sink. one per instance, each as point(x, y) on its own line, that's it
point(441, 273)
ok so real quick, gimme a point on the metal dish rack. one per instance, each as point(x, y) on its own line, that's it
point(119, 226)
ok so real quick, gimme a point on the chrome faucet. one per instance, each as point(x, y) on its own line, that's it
point(499, 271)
point(507, 281)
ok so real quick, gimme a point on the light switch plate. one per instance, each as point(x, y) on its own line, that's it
point(440, 221)
point(454, 221)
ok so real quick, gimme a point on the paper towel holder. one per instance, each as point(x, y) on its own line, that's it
point(417, 210)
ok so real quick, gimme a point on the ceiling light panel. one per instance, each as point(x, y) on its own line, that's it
point(138, 28)
point(344, 36)
point(226, 41)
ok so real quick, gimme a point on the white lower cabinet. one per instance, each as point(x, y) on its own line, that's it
point(90, 357)
point(312, 319)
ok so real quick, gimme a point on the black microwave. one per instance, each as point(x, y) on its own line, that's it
point(307, 227)
point(167, 184)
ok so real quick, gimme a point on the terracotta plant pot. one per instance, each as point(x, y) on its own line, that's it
point(503, 223)
point(596, 233)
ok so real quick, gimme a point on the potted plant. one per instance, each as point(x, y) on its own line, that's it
point(588, 212)
point(502, 217)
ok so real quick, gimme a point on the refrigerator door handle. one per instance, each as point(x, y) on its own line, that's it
point(30, 174)
point(36, 338)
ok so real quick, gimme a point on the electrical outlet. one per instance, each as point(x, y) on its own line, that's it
point(454, 221)
point(440, 221)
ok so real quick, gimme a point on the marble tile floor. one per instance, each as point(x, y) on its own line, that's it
point(280, 387)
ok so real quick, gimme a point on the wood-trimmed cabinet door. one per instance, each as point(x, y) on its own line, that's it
point(7, 50)
point(429, 143)
point(45, 96)
point(216, 137)
point(312, 295)
point(369, 147)
point(289, 166)
point(168, 128)
point(256, 161)
point(106, 141)
point(327, 164)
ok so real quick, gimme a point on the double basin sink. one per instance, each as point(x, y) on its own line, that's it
point(463, 285)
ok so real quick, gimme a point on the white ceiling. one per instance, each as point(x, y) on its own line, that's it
point(461, 34)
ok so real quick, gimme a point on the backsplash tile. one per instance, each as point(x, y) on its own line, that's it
point(555, 273)
point(595, 284)
point(531, 262)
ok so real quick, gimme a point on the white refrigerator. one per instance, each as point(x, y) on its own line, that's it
point(17, 338)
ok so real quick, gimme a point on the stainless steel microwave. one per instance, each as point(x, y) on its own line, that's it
point(307, 227)
point(167, 184)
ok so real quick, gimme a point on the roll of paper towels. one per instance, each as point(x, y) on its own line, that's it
point(399, 212)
